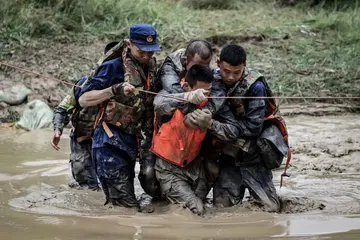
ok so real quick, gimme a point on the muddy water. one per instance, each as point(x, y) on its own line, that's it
point(321, 200)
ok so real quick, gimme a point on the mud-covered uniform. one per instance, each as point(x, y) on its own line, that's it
point(190, 184)
point(170, 74)
point(82, 168)
point(115, 144)
point(248, 165)
point(173, 70)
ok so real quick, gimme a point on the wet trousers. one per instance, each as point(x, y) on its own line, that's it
point(116, 172)
point(187, 185)
point(230, 187)
point(82, 168)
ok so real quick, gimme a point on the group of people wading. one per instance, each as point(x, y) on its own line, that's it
point(189, 137)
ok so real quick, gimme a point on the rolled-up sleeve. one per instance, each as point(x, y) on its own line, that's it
point(106, 75)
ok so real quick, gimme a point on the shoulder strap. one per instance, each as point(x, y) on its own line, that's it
point(114, 52)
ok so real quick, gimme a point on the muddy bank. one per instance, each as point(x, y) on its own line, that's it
point(66, 61)
point(59, 58)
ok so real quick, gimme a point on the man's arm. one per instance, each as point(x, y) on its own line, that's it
point(102, 86)
point(61, 118)
point(218, 89)
point(95, 97)
point(167, 106)
point(252, 123)
point(169, 77)
point(224, 125)
point(61, 112)
point(98, 88)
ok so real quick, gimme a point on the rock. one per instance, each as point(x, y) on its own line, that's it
point(15, 95)
point(3, 105)
point(10, 113)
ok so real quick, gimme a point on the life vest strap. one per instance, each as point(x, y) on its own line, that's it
point(83, 138)
point(284, 133)
point(107, 129)
point(284, 174)
point(98, 119)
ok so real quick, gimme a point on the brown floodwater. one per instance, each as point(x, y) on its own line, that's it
point(321, 200)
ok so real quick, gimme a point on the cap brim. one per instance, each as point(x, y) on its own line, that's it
point(148, 48)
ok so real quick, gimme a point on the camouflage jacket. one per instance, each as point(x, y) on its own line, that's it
point(173, 70)
point(66, 107)
point(224, 125)
point(127, 116)
point(249, 113)
point(61, 113)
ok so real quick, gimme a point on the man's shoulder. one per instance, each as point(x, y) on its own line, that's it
point(258, 85)
point(113, 68)
point(82, 80)
point(178, 53)
point(174, 59)
point(258, 88)
point(216, 74)
point(113, 62)
point(252, 75)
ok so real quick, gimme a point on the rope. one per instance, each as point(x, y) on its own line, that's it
point(177, 98)
point(283, 97)
point(160, 94)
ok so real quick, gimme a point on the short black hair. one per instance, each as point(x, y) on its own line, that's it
point(110, 46)
point(199, 73)
point(201, 47)
point(233, 54)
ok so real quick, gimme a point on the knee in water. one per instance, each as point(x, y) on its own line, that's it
point(150, 185)
point(196, 206)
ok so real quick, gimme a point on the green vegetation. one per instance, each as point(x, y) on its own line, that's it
point(37, 18)
point(304, 50)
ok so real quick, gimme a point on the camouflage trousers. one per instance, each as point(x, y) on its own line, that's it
point(187, 185)
point(82, 168)
point(116, 172)
point(230, 187)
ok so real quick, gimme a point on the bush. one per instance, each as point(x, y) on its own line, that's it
point(55, 17)
point(210, 4)
point(327, 4)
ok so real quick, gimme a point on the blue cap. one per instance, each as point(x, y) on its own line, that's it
point(144, 37)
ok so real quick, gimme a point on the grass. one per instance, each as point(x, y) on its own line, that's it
point(303, 51)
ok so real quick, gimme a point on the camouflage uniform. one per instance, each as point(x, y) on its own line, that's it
point(173, 70)
point(169, 75)
point(190, 184)
point(82, 168)
point(126, 117)
point(242, 164)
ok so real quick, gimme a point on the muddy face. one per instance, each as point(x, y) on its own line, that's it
point(324, 188)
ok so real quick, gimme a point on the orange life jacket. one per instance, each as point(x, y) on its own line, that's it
point(175, 142)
